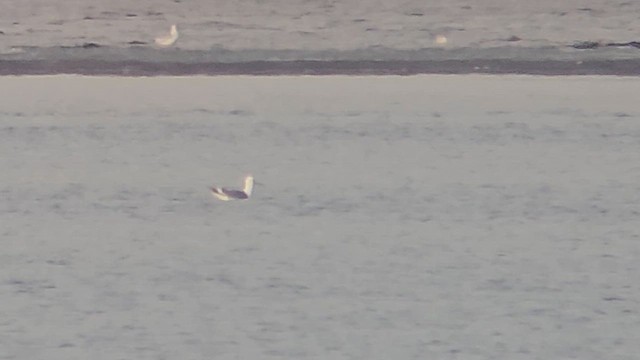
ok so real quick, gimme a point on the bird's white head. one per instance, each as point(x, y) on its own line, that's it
point(248, 185)
point(174, 31)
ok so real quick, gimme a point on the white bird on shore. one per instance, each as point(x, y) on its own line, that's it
point(229, 194)
point(168, 40)
point(441, 40)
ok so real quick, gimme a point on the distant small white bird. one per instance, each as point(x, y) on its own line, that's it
point(441, 40)
point(228, 194)
point(168, 40)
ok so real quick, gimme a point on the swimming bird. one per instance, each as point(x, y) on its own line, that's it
point(229, 194)
point(168, 40)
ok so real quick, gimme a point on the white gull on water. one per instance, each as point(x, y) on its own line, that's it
point(229, 194)
point(168, 40)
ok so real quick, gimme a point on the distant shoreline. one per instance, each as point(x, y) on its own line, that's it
point(133, 68)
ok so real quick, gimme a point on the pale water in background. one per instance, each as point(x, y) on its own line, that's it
point(420, 217)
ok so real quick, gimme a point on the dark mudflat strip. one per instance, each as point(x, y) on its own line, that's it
point(622, 67)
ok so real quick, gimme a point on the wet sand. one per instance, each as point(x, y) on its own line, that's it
point(278, 68)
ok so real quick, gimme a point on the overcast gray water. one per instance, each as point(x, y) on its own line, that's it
point(425, 217)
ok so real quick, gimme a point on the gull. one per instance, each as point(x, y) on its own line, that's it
point(168, 40)
point(229, 194)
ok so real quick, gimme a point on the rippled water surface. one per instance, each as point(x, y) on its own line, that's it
point(444, 217)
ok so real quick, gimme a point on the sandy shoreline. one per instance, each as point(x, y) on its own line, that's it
point(307, 67)
point(574, 37)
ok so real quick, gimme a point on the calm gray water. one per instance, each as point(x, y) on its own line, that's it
point(418, 217)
